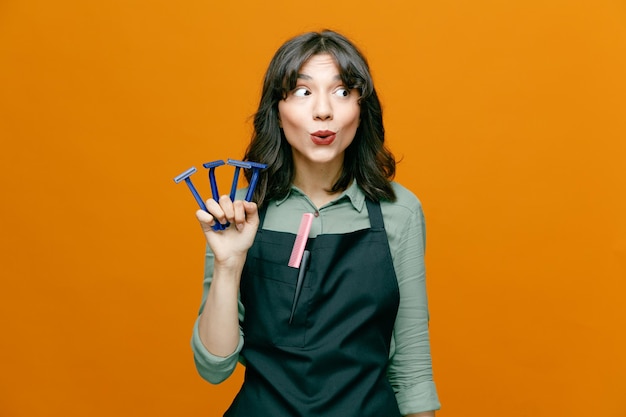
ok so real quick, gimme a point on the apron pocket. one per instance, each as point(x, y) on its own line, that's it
point(271, 288)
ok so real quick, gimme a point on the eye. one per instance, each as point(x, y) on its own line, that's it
point(301, 92)
point(342, 92)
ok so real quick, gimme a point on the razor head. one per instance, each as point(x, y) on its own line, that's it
point(239, 164)
point(184, 175)
point(257, 165)
point(213, 164)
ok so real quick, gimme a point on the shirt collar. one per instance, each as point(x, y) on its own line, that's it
point(352, 193)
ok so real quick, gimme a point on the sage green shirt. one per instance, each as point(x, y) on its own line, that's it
point(410, 371)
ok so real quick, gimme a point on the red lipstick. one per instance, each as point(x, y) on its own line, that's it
point(323, 137)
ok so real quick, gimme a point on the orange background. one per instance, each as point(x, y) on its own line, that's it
point(509, 117)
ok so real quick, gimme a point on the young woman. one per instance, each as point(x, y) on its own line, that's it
point(357, 343)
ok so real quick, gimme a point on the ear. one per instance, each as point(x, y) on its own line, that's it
point(280, 122)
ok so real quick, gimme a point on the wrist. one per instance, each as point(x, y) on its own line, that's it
point(230, 267)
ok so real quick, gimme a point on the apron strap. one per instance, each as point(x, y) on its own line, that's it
point(375, 215)
point(262, 212)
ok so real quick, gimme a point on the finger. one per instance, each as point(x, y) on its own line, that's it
point(216, 210)
point(240, 214)
point(227, 206)
point(205, 219)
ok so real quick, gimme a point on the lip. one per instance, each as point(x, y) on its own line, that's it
point(323, 137)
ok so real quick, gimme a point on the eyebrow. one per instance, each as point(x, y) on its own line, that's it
point(308, 77)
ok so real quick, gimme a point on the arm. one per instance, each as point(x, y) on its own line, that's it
point(218, 324)
point(217, 337)
point(410, 369)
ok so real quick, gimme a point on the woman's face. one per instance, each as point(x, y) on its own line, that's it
point(321, 115)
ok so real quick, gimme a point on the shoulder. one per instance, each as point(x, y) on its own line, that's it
point(404, 216)
point(406, 204)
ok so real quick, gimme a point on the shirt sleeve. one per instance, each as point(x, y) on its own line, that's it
point(410, 367)
point(214, 369)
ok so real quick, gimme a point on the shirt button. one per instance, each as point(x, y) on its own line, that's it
point(316, 213)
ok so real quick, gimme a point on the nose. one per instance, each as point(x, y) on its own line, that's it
point(322, 108)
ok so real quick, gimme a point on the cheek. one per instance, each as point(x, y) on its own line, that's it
point(290, 123)
point(355, 117)
point(287, 117)
point(355, 111)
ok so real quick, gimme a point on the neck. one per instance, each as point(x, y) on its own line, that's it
point(316, 181)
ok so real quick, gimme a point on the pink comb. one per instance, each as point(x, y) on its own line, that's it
point(301, 238)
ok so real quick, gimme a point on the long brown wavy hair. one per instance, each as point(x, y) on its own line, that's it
point(366, 159)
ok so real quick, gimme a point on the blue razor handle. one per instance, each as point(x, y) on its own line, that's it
point(185, 176)
point(211, 167)
point(216, 195)
point(256, 169)
point(238, 165)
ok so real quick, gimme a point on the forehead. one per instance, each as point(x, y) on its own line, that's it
point(325, 61)
point(319, 64)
